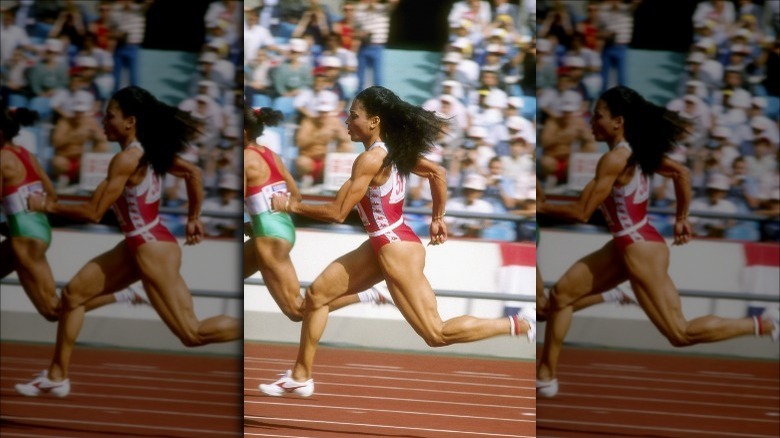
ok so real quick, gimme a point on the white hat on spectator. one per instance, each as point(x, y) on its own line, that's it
point(298, 45)
point(696, 58)
point(476, 132)
point(325, 105)
point(721, 132)
point(761, 123)
point(230, 132)
point(229, 181)
point(461, 43)
point(208, 58)
point(743, 33)
point(496, 99)
point(569, 106)
point(543, 45)
point(704, 43)
point(86, 62)
point(81, 105)
point(759, 101)
point(498, 32)
point(515, 102)
point(495, 48)
point(739, 48)
point(203, 98)
point(474, 181)
point(515, 123)
point(452, 57)
point(574, 62)
point(691, 98)
point(718, 181)
point(330, 62)
point(448, 98)
point(53, 45)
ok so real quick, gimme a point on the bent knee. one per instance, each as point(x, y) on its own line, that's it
point(190, 339)
point(50, 314)
point(679, 338)
point(294, 314)
point(435, 339)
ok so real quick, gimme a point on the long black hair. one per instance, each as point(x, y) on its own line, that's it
point(651, 130)
point(409, 131)
point(163, 130)
point(256, 119)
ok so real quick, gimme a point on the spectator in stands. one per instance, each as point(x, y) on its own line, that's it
point(70, 24)
point(14, 75)
point(715, 201)
point(293, 75)
point(744, 187)
point(316, 137)
point(372, 27)
point(12, 36)
point(331, 66)
point(73, 136)
point(551, 100)
point(309, 99)
point(471, 201)
point(560, 137)
point(259, 76)
point(104, 64)
point(224, 15)
point(314, 26)
point(346, 74)
point(499, 190)
point(616, 23)
point(63, 101)
point(345, 28)
point(127, 25)
point(256, 37)
point(476, 12)
point(50, 73)
point(227, 201)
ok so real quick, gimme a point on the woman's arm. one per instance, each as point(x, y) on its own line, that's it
point(437, 177)
point(193, 179)
point(366, 166)
point(292, 187)
point(609, 168)
point(120, 169)
point(48, 187)
point(681, 177)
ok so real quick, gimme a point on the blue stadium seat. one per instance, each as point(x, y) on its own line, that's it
point(42, 105)
point(529, 107)
point(261, 100)
point(773, 107)
point(285, 105)
point(17, 101)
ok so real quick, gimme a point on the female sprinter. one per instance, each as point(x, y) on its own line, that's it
point(30, 234)
point(639, 135)
point(396, 135)
point(151, 134)
point(273, 233)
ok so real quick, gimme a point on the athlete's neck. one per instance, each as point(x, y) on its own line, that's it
point(613, 142)
point(127, 141)
point(370, 142)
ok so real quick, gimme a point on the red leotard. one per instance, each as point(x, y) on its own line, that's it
point(30, 177)
point(138, 211)
point(381, 210)
point(255, 203)
point(625, 211)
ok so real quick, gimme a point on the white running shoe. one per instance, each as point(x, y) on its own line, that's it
point(529, 316)
point(287, 386)
point(773, 314)
point(627, 298)
point(547, 389)
point(42, 384)
point(381, 295)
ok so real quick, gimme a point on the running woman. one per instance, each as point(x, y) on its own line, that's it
point(151, 134)
point(396, 135)
point(24, 251)
point(639, 135)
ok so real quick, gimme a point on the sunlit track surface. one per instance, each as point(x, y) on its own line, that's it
point(368, 393)
point(124, 393)
point(616, 393)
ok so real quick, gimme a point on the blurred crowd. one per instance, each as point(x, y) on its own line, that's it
point(64, 59)
point(728, 90)
point(309, 59)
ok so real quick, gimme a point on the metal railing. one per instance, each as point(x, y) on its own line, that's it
point(236, 295)
point(692, 293)
point(439, 293)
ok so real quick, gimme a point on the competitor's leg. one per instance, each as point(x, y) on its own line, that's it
point(402, 264)
point(353, 272)
point(593, 274)
point(159, 264)
point(648, 263)
point(250, 262)
point(273, 260)
point(107, 273)
point(29, 256)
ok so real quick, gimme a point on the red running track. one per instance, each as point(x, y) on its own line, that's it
point(362, 393)
point(627, 394)
point(123, 393)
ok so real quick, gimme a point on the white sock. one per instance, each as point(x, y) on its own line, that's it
point(367, 296)
point(513, 321)
point(612, 296)
point(756, 326)
point(124, 296)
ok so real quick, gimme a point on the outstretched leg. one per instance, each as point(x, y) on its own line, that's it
point(656, 293)
point(29, 257)
point(159, 264)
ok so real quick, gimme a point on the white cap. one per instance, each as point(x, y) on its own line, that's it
point(53, 45)
point(742, 32)
point(569, 106)
point(696, 58)
point(448, 98)
point(298, 45)
point(574, 62)
point(498, 32)
point(761, 123)
point(203, 98)
point(496, 99)
point(543, 45)
point(515, 102)
point(461, 43)
point(691, 98)
point(705, 43)
point(453, 57)
point(330, 62)
point(230, 132)
point(86, 62)
point(515, 123)
point(495, 48)
point(81, 105)
point(325, 105)
point(208, 57)
point(477, 132)
point(721, 132)
point(474, 181)
point(739, 48)
point(718, 181)
point(759, 101)
point(229, 181)
point(740, 100)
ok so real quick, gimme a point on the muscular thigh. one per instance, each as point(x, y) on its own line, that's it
point(109, 272)
point(351, 273)
point(595, 273)
point(402, 264)
point(648, 265)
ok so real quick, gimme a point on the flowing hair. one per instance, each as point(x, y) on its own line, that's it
point(409, 131)
point(163, 130)
point(651, 130)
point(256, 119)
point(12, 119)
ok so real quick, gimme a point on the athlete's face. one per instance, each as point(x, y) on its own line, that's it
point(359, 124)
point(114, 122)
point(603, 124)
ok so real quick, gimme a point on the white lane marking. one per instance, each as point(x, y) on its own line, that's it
point(680, 432)
point(114, 425)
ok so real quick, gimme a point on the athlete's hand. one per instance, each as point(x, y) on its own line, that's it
point(682, 232)
point(37, 202)
point(438, 232)
point(280, 202)
point(194, 232)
